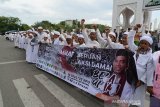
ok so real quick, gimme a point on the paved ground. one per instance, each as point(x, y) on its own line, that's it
point(23, 85)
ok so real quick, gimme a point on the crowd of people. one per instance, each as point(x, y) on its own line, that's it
point(143, 45)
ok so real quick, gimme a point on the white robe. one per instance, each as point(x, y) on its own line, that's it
point(29, 52)
point(88, 41)
point(107, 43)
point(35, 47)
point(41, 36)
point(82, 45)
point(145, 69)
point(92, 44)
point(16, 41)
point(23, 42)
point(20, 41)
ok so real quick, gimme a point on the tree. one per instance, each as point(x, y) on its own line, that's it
point(9, 23)
point(24, 27)
point(45, 24)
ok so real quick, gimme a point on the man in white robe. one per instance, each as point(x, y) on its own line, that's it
point(57, 38)
point(35, 46)
point(46, 40)
point(69, 41)
point(110, 41)
point(23, 41)
point(16, 41)
point(81, 41)
point(29, 49)
point(41, 33)
point(20, 41)
point(75, 39)
point(91, 39)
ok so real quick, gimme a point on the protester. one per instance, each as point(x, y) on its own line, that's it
point(74, 38)
point(55, 37)
point(69, 40)
point(91, 39)
point(124, 40)
point(35, 46)
point(133, 82)
point(144, 63)
point(46, 40)
point(16, 40)
point(110, 41)
point(29, 49)
point(155, 42)
point(81, 41)
point(41, 33)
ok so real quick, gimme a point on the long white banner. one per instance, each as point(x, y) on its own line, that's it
point(104, 73)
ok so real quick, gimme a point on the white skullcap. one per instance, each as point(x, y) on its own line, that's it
point(57, 33)
point(147, 38)
point(40, 27)
point(113, 34)
point(92, 30)
point(68, 36)
point(80, 36)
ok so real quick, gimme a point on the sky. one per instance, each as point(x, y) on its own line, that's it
point(31, 11)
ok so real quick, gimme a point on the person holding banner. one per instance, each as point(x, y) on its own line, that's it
point(144, 63)
point(69, 40)
point(124, 40)
point(35, 46)
point(29, 51)
point(91, 39)
point(46, 40)
point(81, 41)
point(110, 41)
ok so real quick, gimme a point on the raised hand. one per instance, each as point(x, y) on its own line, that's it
point(137, 27)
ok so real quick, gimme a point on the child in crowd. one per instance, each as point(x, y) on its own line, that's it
point(144, 64)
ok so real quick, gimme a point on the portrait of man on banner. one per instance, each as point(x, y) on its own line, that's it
point(121, 83)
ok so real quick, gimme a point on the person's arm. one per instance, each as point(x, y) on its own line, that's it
point(150, 71)
point(150, 75)
point(126, 94)
point(131, 43)
point(100, 39)
point(106, 97)
point(84, 32)
point(109, 43)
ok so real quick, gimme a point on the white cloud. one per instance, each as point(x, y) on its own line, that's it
point(31, 11)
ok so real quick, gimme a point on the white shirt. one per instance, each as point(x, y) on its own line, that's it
point(88, 41)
